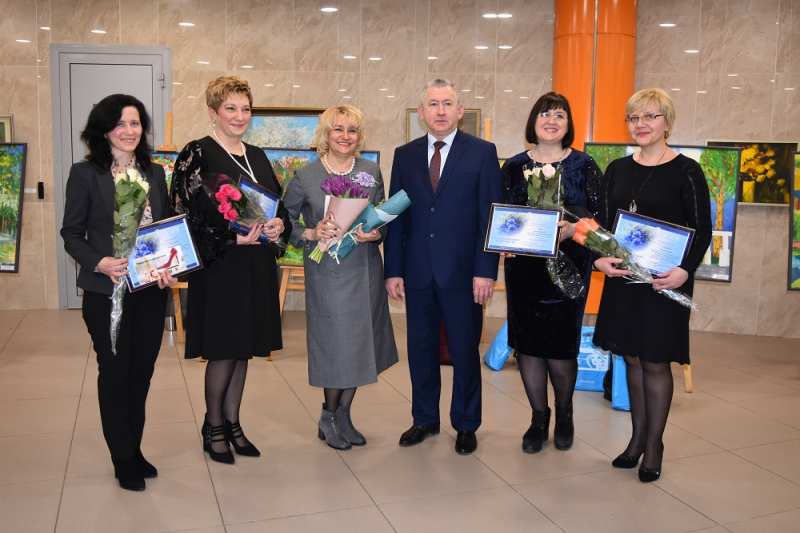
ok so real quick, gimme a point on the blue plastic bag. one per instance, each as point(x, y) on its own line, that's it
point(619, 385)
point(499, 351)
point(592, 363)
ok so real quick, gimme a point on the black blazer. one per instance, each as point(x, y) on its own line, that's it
point(89, 218)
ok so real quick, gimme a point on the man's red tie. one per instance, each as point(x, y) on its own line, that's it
point(436, 164)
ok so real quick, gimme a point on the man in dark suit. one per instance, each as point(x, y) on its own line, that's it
point(434, 259)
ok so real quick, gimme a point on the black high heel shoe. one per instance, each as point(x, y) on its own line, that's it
point(626, 461)
point(648, 475)
point(212, 434)
point(234, 431)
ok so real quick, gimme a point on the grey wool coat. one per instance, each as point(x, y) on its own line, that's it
point(349, 330)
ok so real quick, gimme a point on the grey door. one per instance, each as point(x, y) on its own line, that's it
point(81, 76)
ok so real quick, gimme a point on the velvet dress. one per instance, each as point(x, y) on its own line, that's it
point(542, 321)
point(634, 320)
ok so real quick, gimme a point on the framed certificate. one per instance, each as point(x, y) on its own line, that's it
point(522, 230)
point(262, 205)
point(656, 245)
point(165, 245)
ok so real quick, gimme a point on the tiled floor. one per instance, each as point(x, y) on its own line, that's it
point(732, 450)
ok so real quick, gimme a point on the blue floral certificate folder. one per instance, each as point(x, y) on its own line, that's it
point(656, 245)
point(522, 230)
point(165, 245)
point(262, 205)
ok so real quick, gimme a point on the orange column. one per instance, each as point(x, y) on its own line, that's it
point(573, 44)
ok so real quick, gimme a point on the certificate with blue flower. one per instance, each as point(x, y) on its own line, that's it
point(656, 245)
point(163, 246)
point(522, 230)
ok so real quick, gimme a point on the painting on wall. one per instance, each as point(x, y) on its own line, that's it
point(12, 185)
point(167, 162)
point(469, 123)
point(6, 129)
point(794, 229)
point(282, 127)
point(720, 166)
point(766, 171)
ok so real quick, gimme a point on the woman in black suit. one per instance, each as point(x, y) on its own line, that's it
point(114, 135)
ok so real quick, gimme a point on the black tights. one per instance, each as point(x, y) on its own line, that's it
point(334, 398)
point(224, 390)
point(650, 391)
point(534, 372)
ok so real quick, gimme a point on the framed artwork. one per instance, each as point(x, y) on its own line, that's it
point(766, 172)
point(720, 166)
point(6, 129)
point(282, 127)
point(167, 162)
point(794, 229)
point(469, 123)
point(12, 185)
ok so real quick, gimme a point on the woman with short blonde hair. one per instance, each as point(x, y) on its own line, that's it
point(327, 121)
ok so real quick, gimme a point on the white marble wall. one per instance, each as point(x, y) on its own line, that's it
point(743, 84)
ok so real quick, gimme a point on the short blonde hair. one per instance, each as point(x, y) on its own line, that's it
point(656, 96)
point(326, 120)
point(219, 89)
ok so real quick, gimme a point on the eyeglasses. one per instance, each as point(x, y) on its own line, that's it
point(555, 115)
point(647, 118)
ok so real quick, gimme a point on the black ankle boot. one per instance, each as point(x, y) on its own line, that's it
point(233, 431)
point(564, 432)
point(535, 437)
point(128, 475)
point(212, 434)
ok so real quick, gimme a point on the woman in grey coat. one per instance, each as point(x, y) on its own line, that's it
point(349, 331)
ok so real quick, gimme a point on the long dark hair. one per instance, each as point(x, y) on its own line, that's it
point(103, 118)
point(548, 102)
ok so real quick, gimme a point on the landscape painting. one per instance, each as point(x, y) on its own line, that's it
point(12, 185)
point(282, 127)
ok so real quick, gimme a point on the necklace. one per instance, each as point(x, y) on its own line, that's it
point(117, 167)
point(564, 153)
point(329, 168)
point(249, 169)
point(632, 207)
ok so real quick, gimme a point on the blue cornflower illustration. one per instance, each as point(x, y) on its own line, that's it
point(511, 224)
point(638, 237)
point(145, 247)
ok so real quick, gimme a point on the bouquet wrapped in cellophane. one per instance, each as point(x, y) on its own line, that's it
point(596, 238)
point(373, 217)
point(130, 198)
point(345, 200)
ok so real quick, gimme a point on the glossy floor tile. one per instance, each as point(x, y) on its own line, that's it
point(732, 457)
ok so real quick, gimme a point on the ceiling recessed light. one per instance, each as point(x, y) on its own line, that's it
point(524, 97)
point(675, 89)
point(480, 97)
point(203, 62)
point(186, 24)
point(44, 28)
point(507, 90)
point(341, 90)
point(269, 85)
point(735, 87)
point(732, 75)
point(489, 15)
point(692, 51)
point(375, 58)
point(481, 47)
point(329, 9)
point(505, 47)
point(38, 60)
point(24, 41)
point(504, 15)
point(701, 91)
point(347, 97)
point(466, 90)
point(247, 66)
point(431, 58)
point(384, 89)
point(667, 24)
point(772, 81)
point(349, 57)
point(177, 83)
point(191, 97)
point(389, 96)
point(788, 88)
point(295, 86)
point(99, 31)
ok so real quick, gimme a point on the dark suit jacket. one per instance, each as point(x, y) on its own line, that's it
point(439, 239)
point(89, 218)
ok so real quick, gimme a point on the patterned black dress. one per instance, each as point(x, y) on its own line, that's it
point(542, 321)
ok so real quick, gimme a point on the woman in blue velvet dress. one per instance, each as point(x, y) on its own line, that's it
point(544, 322)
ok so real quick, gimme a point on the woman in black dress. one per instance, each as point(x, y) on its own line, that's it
point(648, 329)
point(114, 134)
point(544, 323)
point(233, 302)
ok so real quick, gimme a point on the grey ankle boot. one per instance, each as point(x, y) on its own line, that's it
point(346, 428)
point(329, 430)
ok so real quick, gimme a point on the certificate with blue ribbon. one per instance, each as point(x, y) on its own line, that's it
point(522, 230)
point(656, 245)
point(163, 246)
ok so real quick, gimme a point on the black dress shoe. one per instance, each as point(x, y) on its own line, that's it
point(416, 434)
point(466, 442)
point(147, 470)
point(212, 434)
point(625, 461)
point(233, 432)
point(564, 432)
point(647, 475)
point(535, 437)
point(128, 475)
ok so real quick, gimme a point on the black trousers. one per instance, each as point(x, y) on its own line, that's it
point(123, 379)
